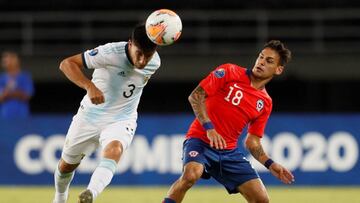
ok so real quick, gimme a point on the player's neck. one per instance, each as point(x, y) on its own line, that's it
point(258, 83)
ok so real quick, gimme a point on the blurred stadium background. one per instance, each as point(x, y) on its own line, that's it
point(315, 125)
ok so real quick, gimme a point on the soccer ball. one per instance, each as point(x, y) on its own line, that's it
point(163, 27)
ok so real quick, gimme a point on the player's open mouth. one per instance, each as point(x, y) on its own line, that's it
point(259, 69)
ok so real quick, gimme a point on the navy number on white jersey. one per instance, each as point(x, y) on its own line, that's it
point(131, 91)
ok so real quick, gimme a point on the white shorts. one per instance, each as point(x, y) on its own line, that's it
point(83, 137)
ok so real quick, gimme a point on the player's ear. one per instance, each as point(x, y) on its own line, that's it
point(279, 70)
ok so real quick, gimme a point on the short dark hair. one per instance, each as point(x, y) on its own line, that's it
point(141, 40)
point(281, 49)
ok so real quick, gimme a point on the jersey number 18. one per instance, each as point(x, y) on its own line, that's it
point(235, 100)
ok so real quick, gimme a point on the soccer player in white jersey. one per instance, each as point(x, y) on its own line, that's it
point(108, 112)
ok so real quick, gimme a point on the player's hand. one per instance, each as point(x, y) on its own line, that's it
point(216, 140)
point(96, 96)
point(281, 173)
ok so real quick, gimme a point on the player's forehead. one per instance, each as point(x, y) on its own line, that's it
point(270, 53)
point(141, 51)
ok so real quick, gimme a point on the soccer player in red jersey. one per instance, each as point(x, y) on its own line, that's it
point(227, 100)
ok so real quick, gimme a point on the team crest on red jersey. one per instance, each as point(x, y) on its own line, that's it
point(193, 153)
point(259, 105)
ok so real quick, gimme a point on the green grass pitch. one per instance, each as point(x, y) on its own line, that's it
point(197, 194)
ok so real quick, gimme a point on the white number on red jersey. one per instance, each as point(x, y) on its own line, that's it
point(236, 98)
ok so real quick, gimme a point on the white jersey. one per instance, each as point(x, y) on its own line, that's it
point(121, 83)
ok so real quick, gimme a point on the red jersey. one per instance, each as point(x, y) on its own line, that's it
point(231, 104)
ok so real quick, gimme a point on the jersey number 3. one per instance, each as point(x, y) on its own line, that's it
point(130, 92)
point(235, 100)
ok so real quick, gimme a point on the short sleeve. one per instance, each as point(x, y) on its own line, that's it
point(98, 57)
point(257, 126)
point(216, 79)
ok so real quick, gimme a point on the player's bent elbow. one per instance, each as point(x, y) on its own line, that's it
point(63, 65)
point(67, 64)
point(250, 142)
point(246, 145)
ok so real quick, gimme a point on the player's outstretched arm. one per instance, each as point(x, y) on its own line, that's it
point(253, 144)
point(197, 101)
point(72, 67)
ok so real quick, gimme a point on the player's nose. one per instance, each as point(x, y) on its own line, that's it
point(262, 62)
point(142, 61)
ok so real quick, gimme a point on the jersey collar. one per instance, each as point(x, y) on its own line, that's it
point(248, 72)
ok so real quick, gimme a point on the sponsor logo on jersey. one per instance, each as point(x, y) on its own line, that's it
point(259, 105)
point(193, 153)
point(235, 85)
point(122, 73)
point(93, 52)
point(219, 73)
